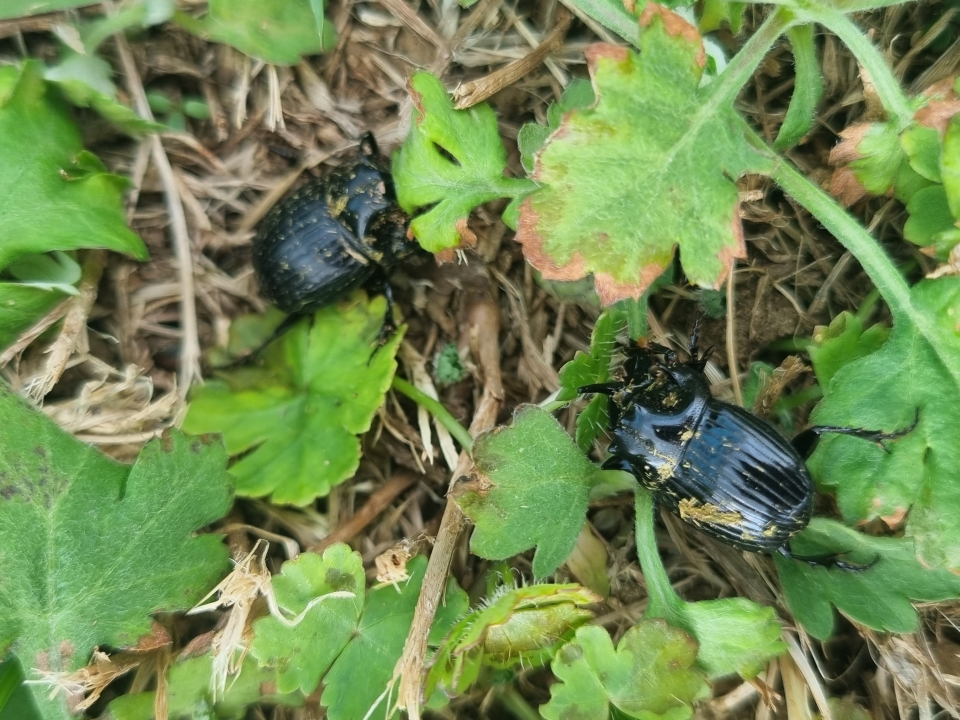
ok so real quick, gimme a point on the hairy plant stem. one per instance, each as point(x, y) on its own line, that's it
point(435, 408)
point(888, 88)
point(855, 238)
point(662, 600)
point(725, 89)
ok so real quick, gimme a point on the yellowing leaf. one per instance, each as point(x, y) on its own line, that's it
point(652, 167)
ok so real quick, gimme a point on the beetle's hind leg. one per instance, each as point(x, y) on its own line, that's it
point(828, 561)
point(806, 442)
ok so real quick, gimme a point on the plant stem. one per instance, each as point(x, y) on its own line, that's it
point(854, 237)
point(888, 88)
point(435, 408)
point(515, 702)
point(662, 600)
point(730, 82)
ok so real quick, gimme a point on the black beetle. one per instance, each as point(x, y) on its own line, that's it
point(331, 236)
point(717, 466)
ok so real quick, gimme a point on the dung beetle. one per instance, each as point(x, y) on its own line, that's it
point(331, 236)
point(717, 466)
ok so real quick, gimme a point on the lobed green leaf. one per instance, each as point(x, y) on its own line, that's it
point(296, 419)
point(90, 548)
point(533, 491)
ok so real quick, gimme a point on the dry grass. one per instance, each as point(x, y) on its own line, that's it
point(116, 372)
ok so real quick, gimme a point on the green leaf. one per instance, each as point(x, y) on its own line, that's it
point(451, 189)
point(16, 699)
point(929, 216)
point(86, 81)
point(735, 634)
point(613, 15)
point(717, 12)
point(675, 156)
point(21, 306)
point(807, 90)
point(950, 165)
point(532, 136)
point(89, 548)
point(296, 419)
point(913, 483)
point(922, 146)
point(22, 8)
point(45, 173)
point(189, 696)
point(879, 161)
point(844, 341)
point(303, 652)
point(589, 368)
point(533, 491)
point(378, 643)
point(517, 626)
point(650, 675)
point(279, 32)
point(448, 367)
point(54, 271)
point(878, 596)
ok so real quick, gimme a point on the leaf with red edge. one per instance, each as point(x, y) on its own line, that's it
point(651, 167)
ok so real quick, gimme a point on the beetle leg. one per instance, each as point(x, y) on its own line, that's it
point(607, 388)
point(806, 442)
point(827, 561)
point(616, 463)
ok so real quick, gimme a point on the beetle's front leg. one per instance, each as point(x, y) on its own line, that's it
point(806, 442)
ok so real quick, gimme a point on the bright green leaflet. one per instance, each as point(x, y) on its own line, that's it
point(516, 626)
point(650, 675)
point(808, 88)
point(425, 177)
point(298, 417)
point(922, 146)
point(86, 81)
point(45, 173)
point(279, 32)
point(950, 165)
point(21, 306)
point(884, 391)
point(929, 216)
point(735, 634)
point(89, 548)
point(378, 643)
point(189, 697)
point(539, 485)
point(675, 151)
point(304, 652)
point(878, 597)
point(532, 136)
point(588, 368)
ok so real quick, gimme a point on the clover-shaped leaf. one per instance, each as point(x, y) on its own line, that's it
point(877, 596)
point(532, 490)
point(304, 651)
point(89, 548)
point(296, 420)
point(451, 162)
point(651, 167)
point(650, 675)
point(910, 482)
point(279, 32)
point(377, 643)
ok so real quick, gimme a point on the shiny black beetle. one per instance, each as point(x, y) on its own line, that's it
point(714, 464)
point(331, 236)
